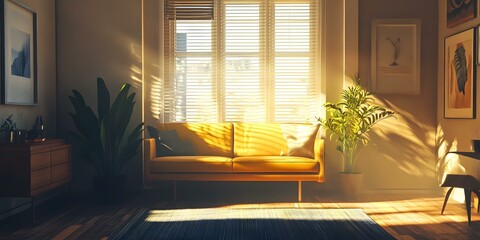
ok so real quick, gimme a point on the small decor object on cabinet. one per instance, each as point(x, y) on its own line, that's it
point(460, 71)
point(7, 130)
point(460, 11)
point(19, 58)
point(36, 134)
point(396, 56)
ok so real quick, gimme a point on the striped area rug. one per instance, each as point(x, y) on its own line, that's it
point(239, 223)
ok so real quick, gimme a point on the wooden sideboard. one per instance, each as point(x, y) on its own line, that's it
point(27, 170)
point(31, 169)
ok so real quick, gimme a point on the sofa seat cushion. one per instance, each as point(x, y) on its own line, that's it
point(275, 164)
point(191, 164)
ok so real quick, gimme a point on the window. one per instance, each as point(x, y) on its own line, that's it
point(254, 61)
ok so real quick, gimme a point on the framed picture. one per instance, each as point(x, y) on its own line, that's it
point(460, 75)
point(460, 11)
point(478, 44)
point(396, 56)
point(18, 54)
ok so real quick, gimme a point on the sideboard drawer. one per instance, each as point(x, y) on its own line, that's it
point(60, 156)
point(60, 172)
point(33, 168)
point(40, 160)
point(40, 178)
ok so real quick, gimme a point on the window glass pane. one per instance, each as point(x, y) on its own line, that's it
point(242, 28)
point(292, 27)
point(292, 89)
point(194, 36)
point(247, 64)
point(195, 98)
point(244, 91)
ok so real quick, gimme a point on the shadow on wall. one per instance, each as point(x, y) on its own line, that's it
point(402, 154)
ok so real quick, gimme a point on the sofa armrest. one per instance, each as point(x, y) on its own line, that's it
point(319, 154)
point(149, 154)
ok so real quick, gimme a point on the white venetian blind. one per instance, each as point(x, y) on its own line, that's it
point(295, 38)
point(255, 61)
point(190, 82)
point(245, 93)
point(189, 9)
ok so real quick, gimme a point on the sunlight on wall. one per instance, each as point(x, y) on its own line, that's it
point(156, 103)
point(449, 163)
point(136, 70)
point(416, 138)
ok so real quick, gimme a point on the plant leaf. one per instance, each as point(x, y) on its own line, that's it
point(103, 98)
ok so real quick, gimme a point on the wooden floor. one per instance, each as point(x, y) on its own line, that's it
point(403, 216)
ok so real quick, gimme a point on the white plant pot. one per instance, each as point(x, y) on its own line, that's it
point(350, 183)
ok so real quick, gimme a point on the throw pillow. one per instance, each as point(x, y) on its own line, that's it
point(163, 149)
point(169, 144)
point(300, 139)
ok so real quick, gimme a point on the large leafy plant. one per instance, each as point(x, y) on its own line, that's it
point(100, 137)
point(350, 119)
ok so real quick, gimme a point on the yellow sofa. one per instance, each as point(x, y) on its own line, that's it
point(239, 152)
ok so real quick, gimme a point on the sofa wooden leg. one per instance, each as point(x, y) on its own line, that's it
point(299, 191)
point(174, 191)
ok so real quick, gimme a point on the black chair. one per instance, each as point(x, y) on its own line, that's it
point(469, 185)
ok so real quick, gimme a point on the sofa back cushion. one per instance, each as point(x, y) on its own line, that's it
point(273, 139)
point(207, 139)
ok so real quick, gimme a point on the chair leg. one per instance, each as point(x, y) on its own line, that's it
point(477, 192)
point(446, 199)
point(468, 202)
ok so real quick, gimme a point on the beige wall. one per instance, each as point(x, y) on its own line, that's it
point(402, 156)
point(153, 13)
point(25, 116)
point(98, 39)
point(454, 134)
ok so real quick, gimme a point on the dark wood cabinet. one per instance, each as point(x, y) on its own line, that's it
point(27, 170)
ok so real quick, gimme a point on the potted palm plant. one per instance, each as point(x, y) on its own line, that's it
point(103, 140)
point(349, 121)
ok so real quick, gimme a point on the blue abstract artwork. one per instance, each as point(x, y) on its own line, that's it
point(20, 53)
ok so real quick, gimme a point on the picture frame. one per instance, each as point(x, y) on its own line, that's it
point(396, 56)
point(477, 46)
point(460, 75)
point(18, 46)
point(459, 12)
